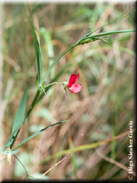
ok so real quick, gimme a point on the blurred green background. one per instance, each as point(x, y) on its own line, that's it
point(99, 112)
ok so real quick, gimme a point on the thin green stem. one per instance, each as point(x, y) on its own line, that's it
point(61, 55)
point(54, 83)
point(32, 104)
point(22, 165)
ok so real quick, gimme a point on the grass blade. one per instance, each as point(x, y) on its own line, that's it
point(112, 32)
point(35, 134)
point(19, 118)
point(37, 52)
point(20, 112)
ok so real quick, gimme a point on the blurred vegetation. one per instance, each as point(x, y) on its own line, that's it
point(101, 111)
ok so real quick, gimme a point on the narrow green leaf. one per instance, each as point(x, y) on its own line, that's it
point(96, 36)
point(35, 134)
point(37, 52)
point(21, 111)
point(110, 33)
point(112, 21)
point(19, 118)
point(6, 145)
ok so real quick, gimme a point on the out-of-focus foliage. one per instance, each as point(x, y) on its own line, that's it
point(100, 111)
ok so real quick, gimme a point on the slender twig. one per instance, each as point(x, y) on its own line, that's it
point(114, 162)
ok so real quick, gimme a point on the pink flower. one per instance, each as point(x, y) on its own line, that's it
point(72, 86)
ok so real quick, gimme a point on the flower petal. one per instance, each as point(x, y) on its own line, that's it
point(73, 79)
point(75, 88)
